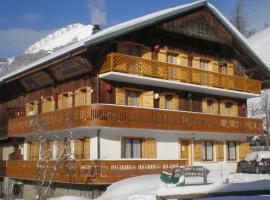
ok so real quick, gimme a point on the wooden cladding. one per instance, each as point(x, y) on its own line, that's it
point(132, 117)
point(157, 69)
point(89, 172)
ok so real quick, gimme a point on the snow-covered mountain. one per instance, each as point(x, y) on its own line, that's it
point(260, 42)
point(62, 37)
point(54, 41)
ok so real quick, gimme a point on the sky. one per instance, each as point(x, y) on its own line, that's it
point(23, 22)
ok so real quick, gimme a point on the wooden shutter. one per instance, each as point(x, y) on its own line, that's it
point(48, 104)
point(87, 148)
point(78, 148)
point(33, 150)
point(215, 109)
point(176, 102)
point(162, 101)
point(147, 53)
point(31, 106)
point(235, 109)
point(60, 147)
point(162, 56)
point(83, 96)
point(244, 149)
point(219, 150)
point(183, 60)
point(149, 148)
point(148, 99)
point(184, 151)
point(65, 100)
point(1, 153)
point(230, 68)
point(204, 105)
point(120, 96)
point(197, 150)
point(196, 62)
point(222, 107)
point(214, 66)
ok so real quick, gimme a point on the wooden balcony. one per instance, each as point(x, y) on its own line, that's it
point(155, 69)
point(88, 172)
point(100, 115)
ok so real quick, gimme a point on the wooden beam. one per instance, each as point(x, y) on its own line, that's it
point(252, 69)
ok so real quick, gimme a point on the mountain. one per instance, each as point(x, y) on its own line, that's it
point(54, 41)
point(260, 42)
point(62, 37)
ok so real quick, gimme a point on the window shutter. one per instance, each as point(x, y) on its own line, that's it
point(33, 150)
point(162, 101)
point(230, 68)
point(216, 110)
point(219, 150)
point(235, 109)
point(244, 149)
point(79, 148)
point(48, 104)
point(120, 96)
point(197, 150)
point(31, 106)
point(65, 100)
point(176, 102)
point(196, 62)
point(214, 66)
point(147, 54)
point(149, 148)
point(222, 107)
point(204, 105)
point(184, 151)
point(162, 56)
point(83, 96)
point(87, 148)
point(148, 99)
point(183, 60)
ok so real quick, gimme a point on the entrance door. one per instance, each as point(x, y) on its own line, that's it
point(185, 150)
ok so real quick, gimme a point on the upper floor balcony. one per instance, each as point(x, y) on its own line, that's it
point(120, 67)
point(98, 116)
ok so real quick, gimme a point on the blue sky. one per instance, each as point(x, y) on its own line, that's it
point(23, 22)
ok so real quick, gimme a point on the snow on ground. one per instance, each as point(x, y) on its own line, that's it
point(69, 198)
point(256, 197)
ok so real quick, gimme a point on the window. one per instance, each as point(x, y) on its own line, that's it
point(132, 98)
point(207, 150)
point(189, 61)
point(132, 148)
point(172, 58)
point(223, 68)
point(204, 64)
point(231, 150)
point(134, 51)
point(169, 102)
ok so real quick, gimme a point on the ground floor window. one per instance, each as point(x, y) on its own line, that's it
point(132, 148)
point(231, 150)
point(207, 150)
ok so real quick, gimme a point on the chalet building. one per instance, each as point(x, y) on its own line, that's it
point(147, 95)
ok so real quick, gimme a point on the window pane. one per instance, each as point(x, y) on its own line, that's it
point(231, 151)
point(127, 148)
point(203, 151)
point(209, 151)
point(136, 148)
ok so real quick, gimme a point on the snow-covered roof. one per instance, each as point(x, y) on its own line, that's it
point(260, 42)
point(139, 23)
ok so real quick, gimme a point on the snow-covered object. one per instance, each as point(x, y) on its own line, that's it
point(258, 155)
point(260, 42)
point(69, 198)
point(69, 34)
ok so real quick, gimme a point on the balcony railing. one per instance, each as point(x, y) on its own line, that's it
point(88, 172)
point(100, 115)
point(143, 67)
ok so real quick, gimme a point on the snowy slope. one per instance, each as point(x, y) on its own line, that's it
point(260, 42)
point(69, 34)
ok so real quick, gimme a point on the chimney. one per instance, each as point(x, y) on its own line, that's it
point(96, 29)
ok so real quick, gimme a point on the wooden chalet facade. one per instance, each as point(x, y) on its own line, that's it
point(143, 97)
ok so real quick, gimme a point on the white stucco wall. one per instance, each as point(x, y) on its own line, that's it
point(6, 151)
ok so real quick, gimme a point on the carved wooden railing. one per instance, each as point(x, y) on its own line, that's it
point(89, 172)
point(150, 68)
point(100, 115)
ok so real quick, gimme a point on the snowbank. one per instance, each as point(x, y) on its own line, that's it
point(69, 198)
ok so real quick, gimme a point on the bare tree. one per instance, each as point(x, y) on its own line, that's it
point(239, 17)
point(261, 108)
point(48, 163)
